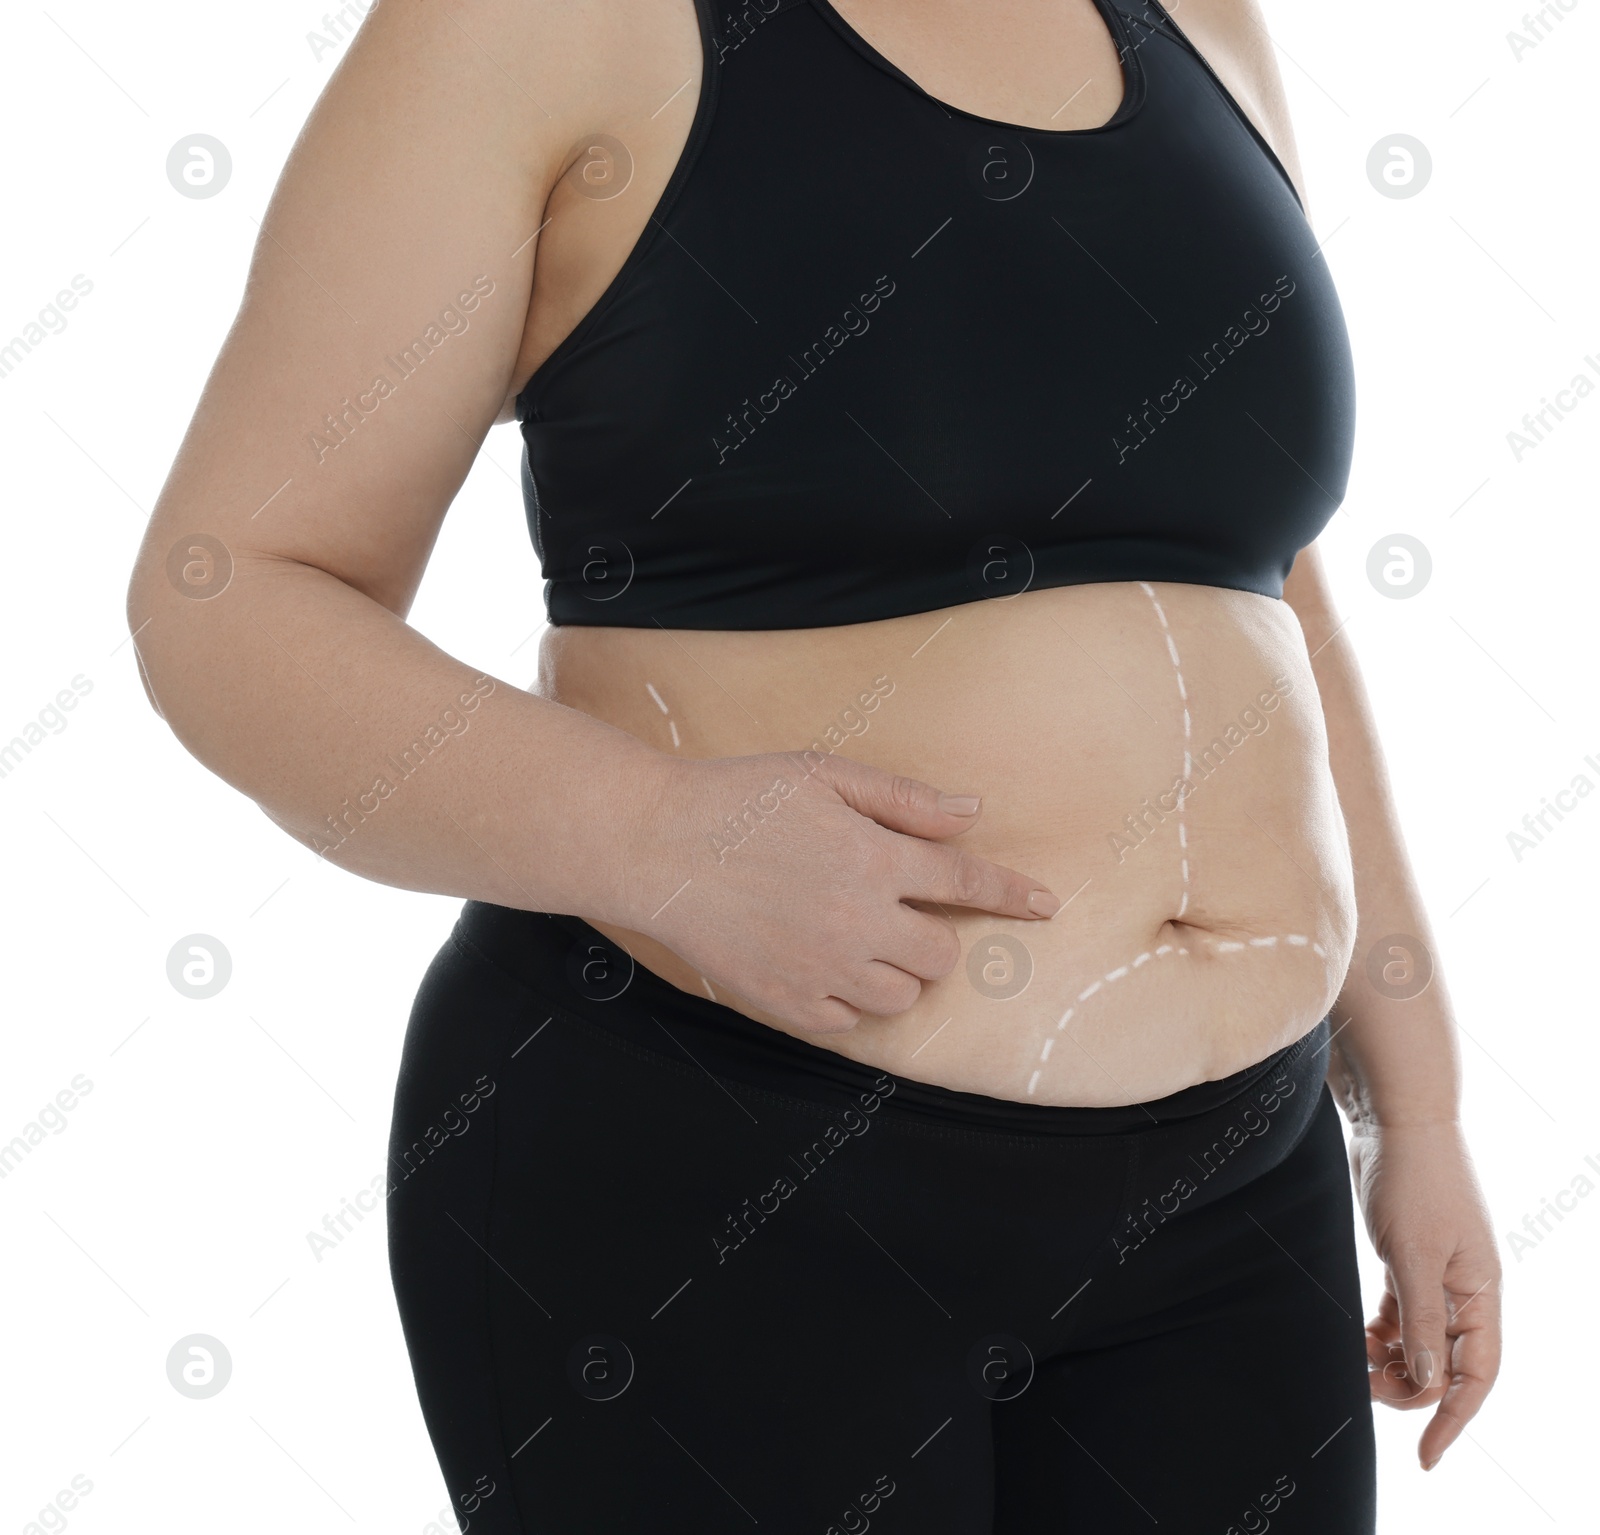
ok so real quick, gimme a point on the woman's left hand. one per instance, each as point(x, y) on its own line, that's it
point(1436, 1338)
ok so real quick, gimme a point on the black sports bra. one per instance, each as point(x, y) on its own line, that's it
point(874, 355)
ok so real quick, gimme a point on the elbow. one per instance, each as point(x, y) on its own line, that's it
point(167, 589)
point(168, 632)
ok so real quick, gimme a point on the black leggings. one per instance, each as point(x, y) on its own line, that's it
point(663, 1270)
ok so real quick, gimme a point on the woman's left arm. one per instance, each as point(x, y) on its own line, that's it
point(1396, 1072)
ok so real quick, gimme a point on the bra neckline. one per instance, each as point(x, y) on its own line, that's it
point(1133, 77)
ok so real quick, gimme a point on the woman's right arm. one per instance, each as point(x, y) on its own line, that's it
point(269, 597)
point(414, 190)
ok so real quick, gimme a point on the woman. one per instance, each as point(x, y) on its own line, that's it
point(917, 412)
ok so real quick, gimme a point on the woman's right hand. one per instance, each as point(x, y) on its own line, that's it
point(784, 878)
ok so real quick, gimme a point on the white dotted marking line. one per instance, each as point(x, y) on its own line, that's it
point(1219, 945)
point(672, 724)
point(1188, 742)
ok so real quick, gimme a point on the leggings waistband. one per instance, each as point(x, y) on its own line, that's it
point(584, 976)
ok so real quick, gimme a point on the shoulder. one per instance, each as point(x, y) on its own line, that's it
point(1236, 40)
point(559, 69)
point(411, 195)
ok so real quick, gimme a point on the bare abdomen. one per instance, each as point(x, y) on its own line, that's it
point(1153, 752)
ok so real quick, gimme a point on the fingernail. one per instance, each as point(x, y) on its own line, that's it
point(1043, 904)
point(1428, 1465)
point(959, 804)
point(1421, 1369)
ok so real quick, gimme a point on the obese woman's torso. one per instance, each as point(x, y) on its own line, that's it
point(1203, 928)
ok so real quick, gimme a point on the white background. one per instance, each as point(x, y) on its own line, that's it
point(177, 1197)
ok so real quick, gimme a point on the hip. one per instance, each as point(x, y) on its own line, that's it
point(655, 1208)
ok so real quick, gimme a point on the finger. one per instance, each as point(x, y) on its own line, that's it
point(1459, 1407)
point(1377, 1349)
point(880, 989)
point(1390, 1380)
point(1475, 1363)
point(796, 1006)
point(1385, 1356)
point(925, 946)
point(951, 876)
point(892, 799)
point(1386, 1324)
point(829, 1015)
point(1419, 1290)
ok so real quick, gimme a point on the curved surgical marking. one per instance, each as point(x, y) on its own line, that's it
point(1220, 945)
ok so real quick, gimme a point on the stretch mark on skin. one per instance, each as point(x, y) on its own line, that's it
point(1220, 945)
point(672, 724)
point(1188, 735)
